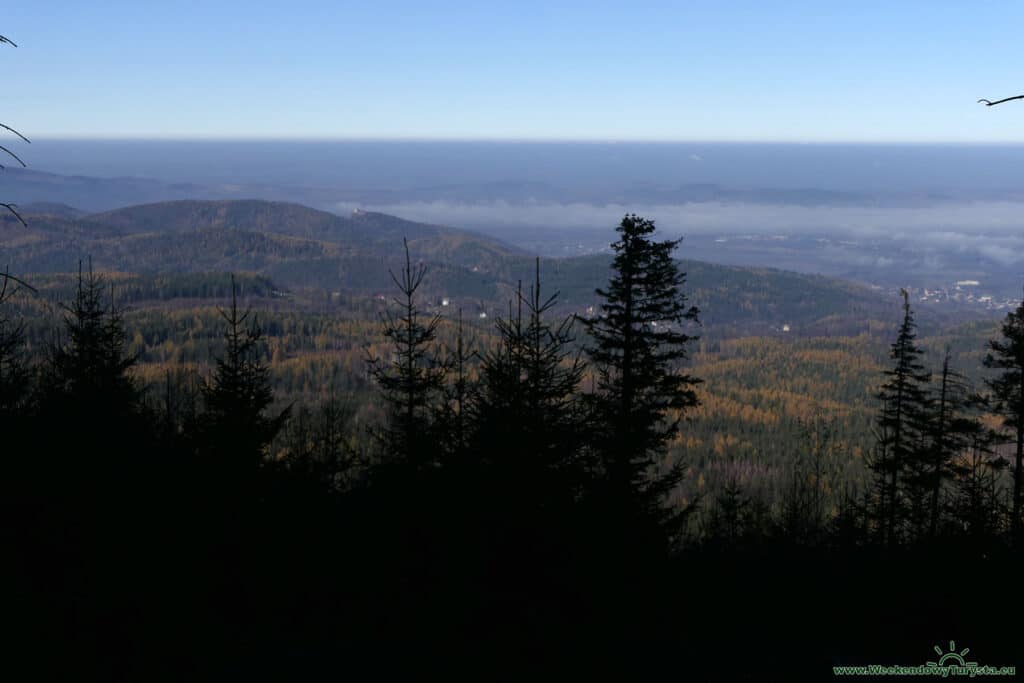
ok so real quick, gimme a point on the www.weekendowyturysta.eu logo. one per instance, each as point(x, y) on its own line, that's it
point(949, 663)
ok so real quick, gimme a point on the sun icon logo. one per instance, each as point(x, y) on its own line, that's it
point(952, 658)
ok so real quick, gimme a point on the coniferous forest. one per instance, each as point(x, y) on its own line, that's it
point(518, 498)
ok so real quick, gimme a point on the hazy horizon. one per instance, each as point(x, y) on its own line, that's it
point(945, 208)
point(401, 164)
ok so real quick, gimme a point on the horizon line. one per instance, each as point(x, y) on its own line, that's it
point(508, 140)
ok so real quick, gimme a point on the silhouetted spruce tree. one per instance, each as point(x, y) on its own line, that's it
point(95, 471)
point(528, 419)
point(977, 507)
point(901, 424)
point(949, 433)
point(175, 403)
point(457, 407)
point(1007, 356)
point(317, 442)
point(639, 348)
point(88, 372)
point(235, 427)
point(336, 451)
point(728, 517)
point(852, 524)
point(412, 380)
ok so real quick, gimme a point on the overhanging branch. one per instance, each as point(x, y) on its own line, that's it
point(13, 208)
point(989, 103)
point(7, 278)
point(3, 125)
point(15, 156)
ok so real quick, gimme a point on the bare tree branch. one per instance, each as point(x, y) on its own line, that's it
point(7, 277)
point(16, 133)
point(16, 157)
point(13, 208)
point(989, 103)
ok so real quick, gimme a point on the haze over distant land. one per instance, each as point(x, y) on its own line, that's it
point(578, 168)
point(949, 212)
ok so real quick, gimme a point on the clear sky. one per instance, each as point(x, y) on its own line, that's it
point(716, 70)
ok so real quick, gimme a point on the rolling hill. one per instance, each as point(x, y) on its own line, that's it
point(302, 248)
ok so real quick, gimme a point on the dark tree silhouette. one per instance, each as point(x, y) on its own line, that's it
point(977, 505)
point(528, 415)
point(413, 378)
point(639, 345)
point(317, 442)
point(234, 425)
point(1007, 356)
point(900, 424)
point(456, 409)
point(91, 366)
point(727, 521)
point(950, 432)
point(92, 470)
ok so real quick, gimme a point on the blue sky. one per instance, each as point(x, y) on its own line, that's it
point(794, 71)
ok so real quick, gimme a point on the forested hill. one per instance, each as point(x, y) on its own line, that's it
point(301, 250)
point(281, 218)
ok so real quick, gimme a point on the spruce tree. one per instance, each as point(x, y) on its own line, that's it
point(1007, 356)
point(639, 350)
point(901, 426)
point(456, 409)
point(235, 425)
point(317, 442)
point(90, 368)
point(950, 433)
point(412, 379)
point(977, 506)
point(528, 418)
point(727, 521)
point(89, 413)
point(175, 403)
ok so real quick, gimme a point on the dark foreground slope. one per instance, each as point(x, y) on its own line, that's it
point(145, 564)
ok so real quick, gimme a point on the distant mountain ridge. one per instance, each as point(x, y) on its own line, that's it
point(255, 215)
point(92, 194)
point(300, 247)
point(294, 244)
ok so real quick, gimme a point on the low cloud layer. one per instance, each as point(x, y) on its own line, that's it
point(992, 230)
